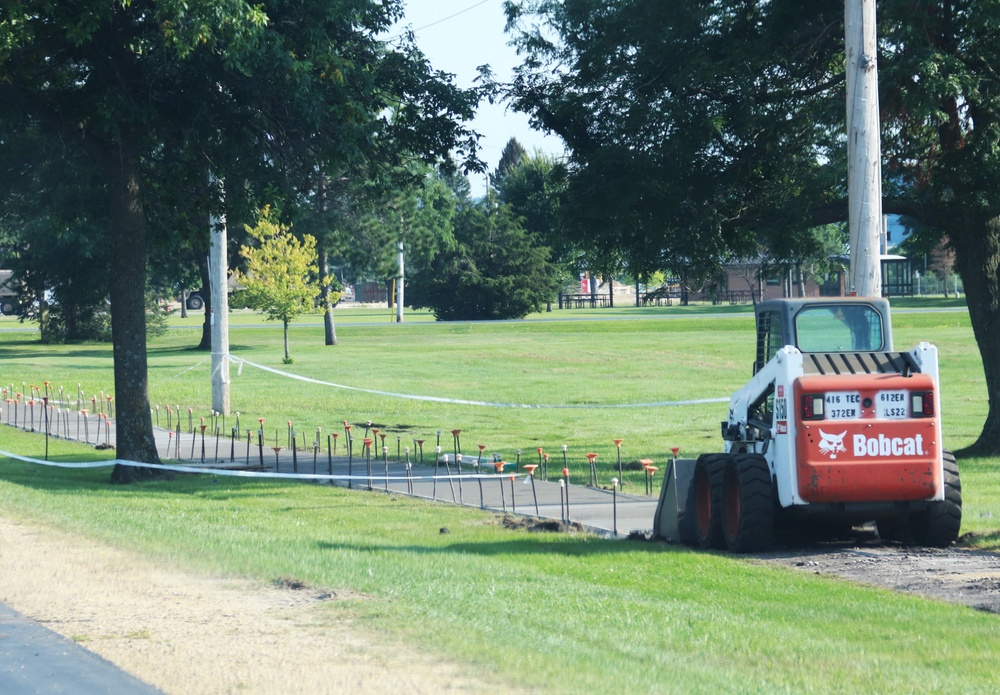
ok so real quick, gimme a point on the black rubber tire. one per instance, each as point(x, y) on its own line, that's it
point(938, 526)
point(195, 302)
point(748, 504)
point(703, 511)
point(895, 528)
point(8, 308)
point(935, 527)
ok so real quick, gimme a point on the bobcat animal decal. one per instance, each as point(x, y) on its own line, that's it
point(832, 444)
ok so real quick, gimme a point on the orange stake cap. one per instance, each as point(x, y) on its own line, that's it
point(618, 442)
point(591, 457)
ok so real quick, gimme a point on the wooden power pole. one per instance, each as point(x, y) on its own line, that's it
point(864, 168)
point(399, 287)
point(218, 270)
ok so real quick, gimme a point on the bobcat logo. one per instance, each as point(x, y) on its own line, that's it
point(832, 444)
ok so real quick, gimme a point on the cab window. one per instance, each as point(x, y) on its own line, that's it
point(839, 328)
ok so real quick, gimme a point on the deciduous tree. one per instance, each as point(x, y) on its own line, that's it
point(256, 93)
point(280, 277)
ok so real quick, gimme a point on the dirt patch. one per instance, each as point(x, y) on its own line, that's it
point(956, 575)
point(187, 633)
point(524, 523)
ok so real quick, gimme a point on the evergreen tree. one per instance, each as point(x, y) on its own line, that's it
point(497, 270)
point(513, 156)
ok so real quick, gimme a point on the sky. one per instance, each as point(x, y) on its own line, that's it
point(457, 36)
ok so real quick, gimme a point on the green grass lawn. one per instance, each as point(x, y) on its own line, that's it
point(587, 364)
point(629, 356)
point(550, 613)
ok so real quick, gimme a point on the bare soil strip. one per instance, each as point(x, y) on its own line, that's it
point(190, 634)
point(956, 575)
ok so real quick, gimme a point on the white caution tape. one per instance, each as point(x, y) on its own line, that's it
point(61, 464)
point(178, 374)
point(257, 474)
point(459, 401)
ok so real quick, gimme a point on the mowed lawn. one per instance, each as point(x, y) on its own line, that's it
point(547, 612)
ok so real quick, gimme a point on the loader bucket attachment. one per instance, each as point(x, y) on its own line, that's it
point(668, 522)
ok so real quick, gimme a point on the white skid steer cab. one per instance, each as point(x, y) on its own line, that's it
point(834, 429)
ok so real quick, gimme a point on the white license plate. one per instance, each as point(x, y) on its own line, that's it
point(891, 405)
point(843, 405)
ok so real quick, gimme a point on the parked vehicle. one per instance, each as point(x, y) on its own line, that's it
point(835, 426)
point(8, 297)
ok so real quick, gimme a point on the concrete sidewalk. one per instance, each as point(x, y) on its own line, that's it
point(596, 508)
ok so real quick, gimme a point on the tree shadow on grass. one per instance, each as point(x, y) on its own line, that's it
point(23, 349)
point(567, 545)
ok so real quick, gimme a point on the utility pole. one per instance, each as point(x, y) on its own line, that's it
point(218, 270)
point(399, 287)
point(864, 157)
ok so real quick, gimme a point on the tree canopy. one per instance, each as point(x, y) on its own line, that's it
point(685, 121)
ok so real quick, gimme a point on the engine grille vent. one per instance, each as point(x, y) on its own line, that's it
point(858, 363)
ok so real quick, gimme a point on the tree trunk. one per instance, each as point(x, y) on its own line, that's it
point(285, 326)
point(206, 297)
point(329, 329)
point(977, 254)
point(133, 421)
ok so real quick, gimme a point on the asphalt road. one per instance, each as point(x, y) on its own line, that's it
point(36, 660)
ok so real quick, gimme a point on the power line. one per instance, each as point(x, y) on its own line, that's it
point(451, 16)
